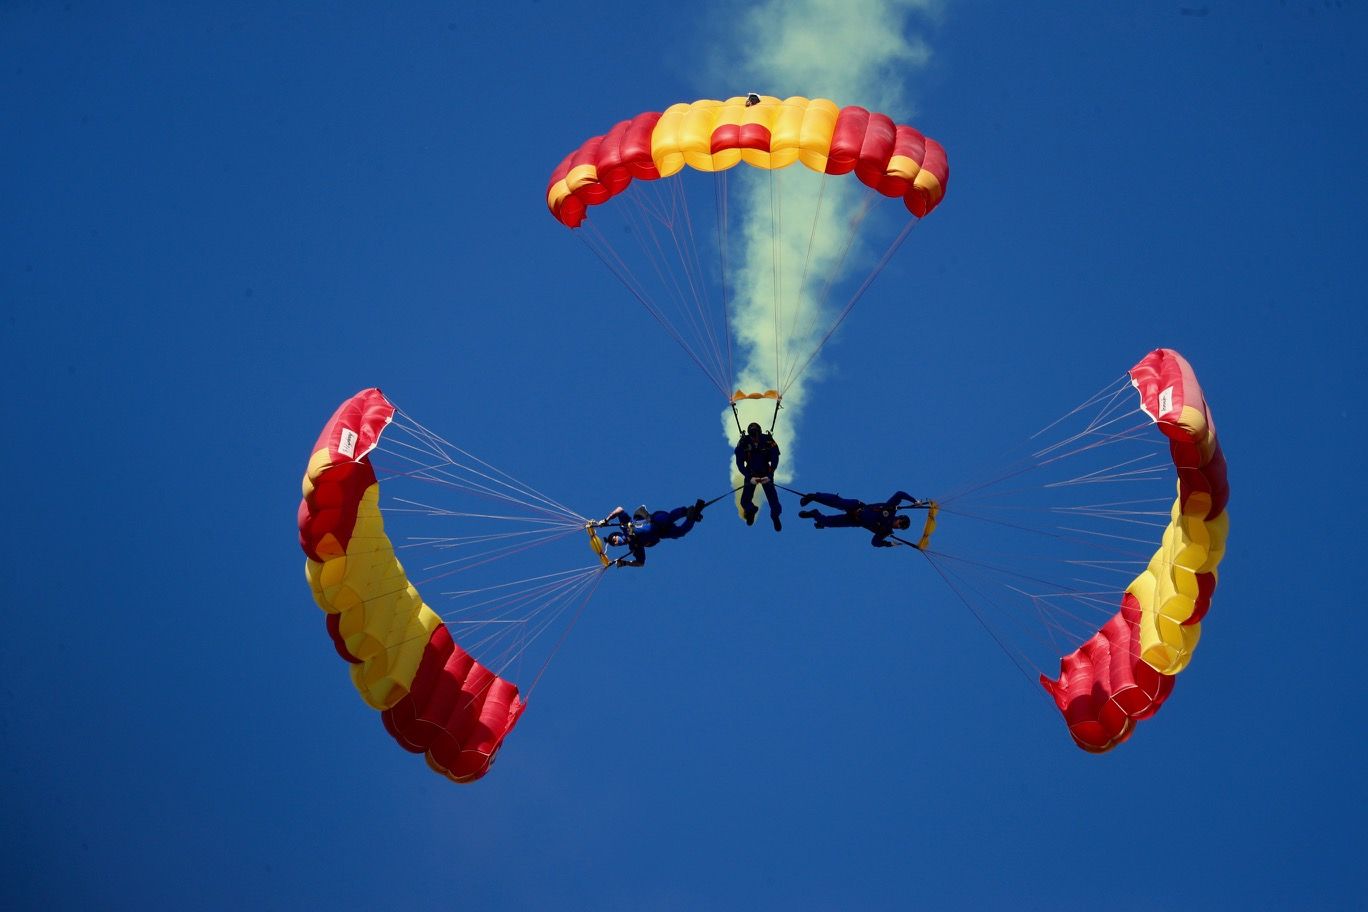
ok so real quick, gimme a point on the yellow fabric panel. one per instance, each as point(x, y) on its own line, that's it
point(384, 621)
point(784, 120)
point(683, 132)
point(814, 135)
point(580, 176)
point(1167, 590)
point(903, 167)
point(800, 130)
point(927, 181)
point(1218, 530)
point(317, 463)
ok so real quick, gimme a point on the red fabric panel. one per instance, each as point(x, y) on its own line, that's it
point(847, 138)
point(876, 148)
point(1206, 585)
point(457, 711)
point(1165, 369)
point(617, 157)
point(1103, 687)
point(741, 136)
point(338, 486)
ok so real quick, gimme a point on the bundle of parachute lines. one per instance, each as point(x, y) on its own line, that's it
point(1126, 618)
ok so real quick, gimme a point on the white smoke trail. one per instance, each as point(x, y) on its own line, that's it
point(853, 52)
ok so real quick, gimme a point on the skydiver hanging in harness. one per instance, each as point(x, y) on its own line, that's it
point(644, 529)
point(757, 458)
point(883, 519)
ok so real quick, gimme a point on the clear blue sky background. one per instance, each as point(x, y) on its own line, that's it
point(217, 222)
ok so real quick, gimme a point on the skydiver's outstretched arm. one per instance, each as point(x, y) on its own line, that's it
point(901, 496)
point(618, 513)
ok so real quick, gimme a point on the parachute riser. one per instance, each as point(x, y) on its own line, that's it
point(931, 508)
point(774, 418)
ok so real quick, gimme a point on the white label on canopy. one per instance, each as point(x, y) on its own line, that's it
point(346, 446)
point(1166, 402)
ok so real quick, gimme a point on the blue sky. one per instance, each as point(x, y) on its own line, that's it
point(218, 223)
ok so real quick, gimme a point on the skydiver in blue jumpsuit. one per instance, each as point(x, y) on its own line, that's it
point(882, 519)
point(645, 529)
point(757, 458)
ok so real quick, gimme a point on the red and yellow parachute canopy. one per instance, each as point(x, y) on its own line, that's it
point(763, 131)
point(1124, 673)
point(433, 697)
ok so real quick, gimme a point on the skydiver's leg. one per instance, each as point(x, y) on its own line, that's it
point(835, 501)
point(670, 527)
point(828, 520)
point(748, 507)
point(772, 496)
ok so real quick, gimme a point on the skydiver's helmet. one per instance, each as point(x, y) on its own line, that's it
point(641, 513)
point(617, 539)
point(902, 522)
point(753, 431)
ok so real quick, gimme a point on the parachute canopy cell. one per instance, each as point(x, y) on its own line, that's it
point(433, 697)
point(894, 159)
point(1124, 673)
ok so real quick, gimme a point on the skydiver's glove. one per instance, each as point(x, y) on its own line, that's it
point(884, 544)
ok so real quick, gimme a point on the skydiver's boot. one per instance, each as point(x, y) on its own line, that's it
point(808, 514)
point(778, 526)
point(804, 501)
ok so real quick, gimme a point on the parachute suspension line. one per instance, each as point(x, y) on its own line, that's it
point(791, 340)
point(1109, 391)
point(586, 592)
point(1017, 465)
point(859, 292)
point(600, 246)
point(673, 201)
point(525, 614)
point(722, 211)
point(1111, 396)
point(819, 306)
point(776, 264)
point(702, 317)
point(530, 497)
point(945, 576)
point(1098, 604)
point(458, 565)
point(463, 593)
point(525, 635)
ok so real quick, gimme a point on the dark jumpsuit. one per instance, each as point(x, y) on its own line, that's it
point(877, 518)
point(647, 533)
point(759, 459)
